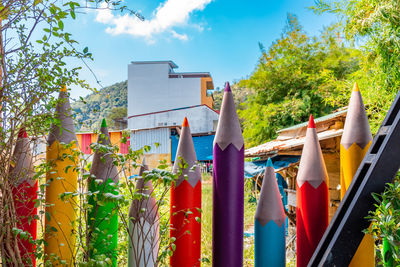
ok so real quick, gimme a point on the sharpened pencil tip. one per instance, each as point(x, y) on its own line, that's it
point(185, 122)
point(227, 87)
point(355, 87)
point(103, 123)
point(311, 123)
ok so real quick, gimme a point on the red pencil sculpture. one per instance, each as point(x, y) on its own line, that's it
point(186, 204)
point(24, 194)
point(312, 197)
point(228, 187)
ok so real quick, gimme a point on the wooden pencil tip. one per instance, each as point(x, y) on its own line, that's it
point(355, 87)
point(311, 123)
point(227, 87)
point(22, 133)
point(269, 163)
point(103, 123)
point(185, 122)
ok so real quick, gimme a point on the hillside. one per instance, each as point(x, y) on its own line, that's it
point(109, 102)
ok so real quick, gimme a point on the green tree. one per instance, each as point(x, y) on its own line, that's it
point(240, 95)
point(90, 110)
point(375, 26)
point(296, 77)
point(35, 48)
point(115, 118)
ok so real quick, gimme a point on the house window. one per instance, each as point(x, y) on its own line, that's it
point(209, 85)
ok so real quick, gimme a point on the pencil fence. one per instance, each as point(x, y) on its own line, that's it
point(107, 173)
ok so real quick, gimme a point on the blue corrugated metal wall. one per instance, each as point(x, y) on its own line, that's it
point(202, 144)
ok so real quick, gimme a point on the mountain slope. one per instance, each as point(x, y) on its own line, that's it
point(89, 112)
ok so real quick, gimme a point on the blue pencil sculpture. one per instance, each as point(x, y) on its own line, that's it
point(269, 223)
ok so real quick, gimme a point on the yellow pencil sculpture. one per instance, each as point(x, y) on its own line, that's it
point(354, 145)
point(62, 182)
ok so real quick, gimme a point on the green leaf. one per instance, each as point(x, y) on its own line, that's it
point(61, 25)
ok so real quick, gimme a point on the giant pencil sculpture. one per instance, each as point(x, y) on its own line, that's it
point(228, 187)
point(388, 260)
point(355, 142)
point(103, 219)
point(143, 224)
point(62, 181)
point(269, 227)
point(186, 204)
point(24, 194)
point(312, 197)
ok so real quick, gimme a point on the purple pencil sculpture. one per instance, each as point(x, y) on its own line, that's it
point(228, 187)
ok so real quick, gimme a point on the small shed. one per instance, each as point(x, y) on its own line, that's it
point(290, 142)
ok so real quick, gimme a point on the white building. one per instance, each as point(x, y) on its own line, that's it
point(153, 87)
point(202, 119)
point(160, 98)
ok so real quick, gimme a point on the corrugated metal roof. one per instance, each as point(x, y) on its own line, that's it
point(276, 145)
point(317, 120)
point(143, 138)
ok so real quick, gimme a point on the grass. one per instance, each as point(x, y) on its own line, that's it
point(206, 229)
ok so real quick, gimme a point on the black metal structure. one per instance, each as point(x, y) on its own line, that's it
point(382, 161)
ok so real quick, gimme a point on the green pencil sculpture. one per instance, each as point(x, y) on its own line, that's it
point(103, 214)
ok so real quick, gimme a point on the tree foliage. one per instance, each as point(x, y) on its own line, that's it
point(115, 118)
point(375, 25)
point(298, 76)
point(109, 102)
point(240, 95)
point(35, 49)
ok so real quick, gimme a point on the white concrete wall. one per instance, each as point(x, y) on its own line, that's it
point(201, 119)
point(150, 89)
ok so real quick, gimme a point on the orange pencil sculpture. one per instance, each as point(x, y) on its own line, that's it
point(356, 140)
point(312, 197)
point(24, 194)
point(186, 204)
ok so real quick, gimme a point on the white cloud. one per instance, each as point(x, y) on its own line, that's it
point(168, 15)
point(182, 37)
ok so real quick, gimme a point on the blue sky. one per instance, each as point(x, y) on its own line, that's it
point(218, 36)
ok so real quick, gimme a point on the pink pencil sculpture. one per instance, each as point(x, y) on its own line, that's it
point(186, 204)
point(24, 194)
point(228, 187)
point(312, 197)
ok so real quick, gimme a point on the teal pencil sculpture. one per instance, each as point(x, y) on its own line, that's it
point(103, 214)
point(269, 223)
